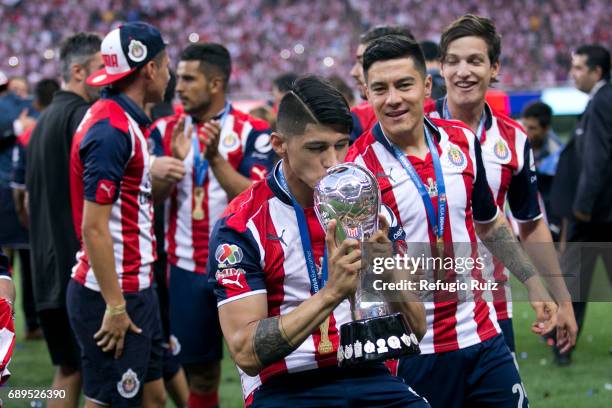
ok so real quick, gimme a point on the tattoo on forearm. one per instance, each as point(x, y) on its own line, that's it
point(269, 342)
point(504, 246)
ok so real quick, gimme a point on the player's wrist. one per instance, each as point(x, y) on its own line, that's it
point(115, 310)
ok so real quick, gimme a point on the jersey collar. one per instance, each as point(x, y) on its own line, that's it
point(128, 105)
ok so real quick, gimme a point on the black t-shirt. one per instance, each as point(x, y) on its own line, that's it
point(53, 241)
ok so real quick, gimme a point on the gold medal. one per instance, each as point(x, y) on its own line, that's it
point(325, 345)
point(198, 211)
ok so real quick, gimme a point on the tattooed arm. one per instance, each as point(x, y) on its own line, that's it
point(502, 243)
point(256, 340)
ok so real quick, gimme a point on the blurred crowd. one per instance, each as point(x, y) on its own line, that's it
point(268, 37)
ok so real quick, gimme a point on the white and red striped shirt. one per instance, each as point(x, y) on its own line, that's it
point(451, 324)
point(245, 143)
point(509, 164)
point(257, 249)
point(110, 166)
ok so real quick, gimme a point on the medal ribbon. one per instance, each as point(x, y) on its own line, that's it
point(479, 131)
point(316, 284)
point(200, 164)
point(436, 223)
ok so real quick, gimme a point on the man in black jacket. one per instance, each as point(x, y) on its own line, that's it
point(52, 237)
point(581, 191)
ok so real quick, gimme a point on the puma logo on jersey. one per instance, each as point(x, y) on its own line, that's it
point(385, 175)
point(258, 172)
point(230, 276)
point(106, 191)
point(227, 281)
point(271, 237)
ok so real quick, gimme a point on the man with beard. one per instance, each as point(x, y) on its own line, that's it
point(53, 241)
point(223, 150)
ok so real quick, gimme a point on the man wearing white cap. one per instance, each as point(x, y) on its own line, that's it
point(112, 307)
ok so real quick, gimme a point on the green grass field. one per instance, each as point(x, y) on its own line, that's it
point(586, 383)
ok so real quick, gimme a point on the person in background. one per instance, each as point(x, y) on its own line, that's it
point(280, 86)
point(341, 85)
point(112, 306)
point(223, 151)
point(16, 117)
point(175, 380)
point(431, 50)
point(581, 191)
point(546, 146)
point(43, 94)
point(53, 240)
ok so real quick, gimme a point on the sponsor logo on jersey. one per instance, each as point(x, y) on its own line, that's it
point(227, 255)
point(262, 143)
point(129, 384)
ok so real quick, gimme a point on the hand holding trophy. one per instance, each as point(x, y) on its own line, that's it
point(349, 194)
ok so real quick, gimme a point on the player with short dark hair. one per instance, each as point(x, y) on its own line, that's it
point(222, 150)
point(471, 49)
point(431, 175)
point(363, 115)
point(112, 305)
point(536, 118)
point(282, 331)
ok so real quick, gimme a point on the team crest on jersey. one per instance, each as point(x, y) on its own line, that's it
point(137, 51)
point(501, 150)
point(456, 157)
point(227, 255)
point(129, 384)
point(230, 141)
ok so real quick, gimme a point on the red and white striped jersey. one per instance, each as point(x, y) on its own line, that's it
point(110, 166)
point(7, 339)
point(256, 248)
point(245, 143)
point(510, 168)
point(451, 325)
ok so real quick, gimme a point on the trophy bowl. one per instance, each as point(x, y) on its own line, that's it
point(349, 194)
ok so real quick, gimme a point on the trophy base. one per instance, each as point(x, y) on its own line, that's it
point(375, 339)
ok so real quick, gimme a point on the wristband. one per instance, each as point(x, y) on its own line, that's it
point(115, 310)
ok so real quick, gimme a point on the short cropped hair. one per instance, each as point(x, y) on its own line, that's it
point(431, 50)
point(283, 82)
point(540, 111)
point(377, 32)
point(44, 90)
point(213, 58)
point(394, 47)
point(313, 99)
point(597, 56)
point(471, 25)
point(78, 49)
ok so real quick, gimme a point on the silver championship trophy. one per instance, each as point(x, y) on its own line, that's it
point(350, 195)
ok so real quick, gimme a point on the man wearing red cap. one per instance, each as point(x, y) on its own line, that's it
point(112, 307)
